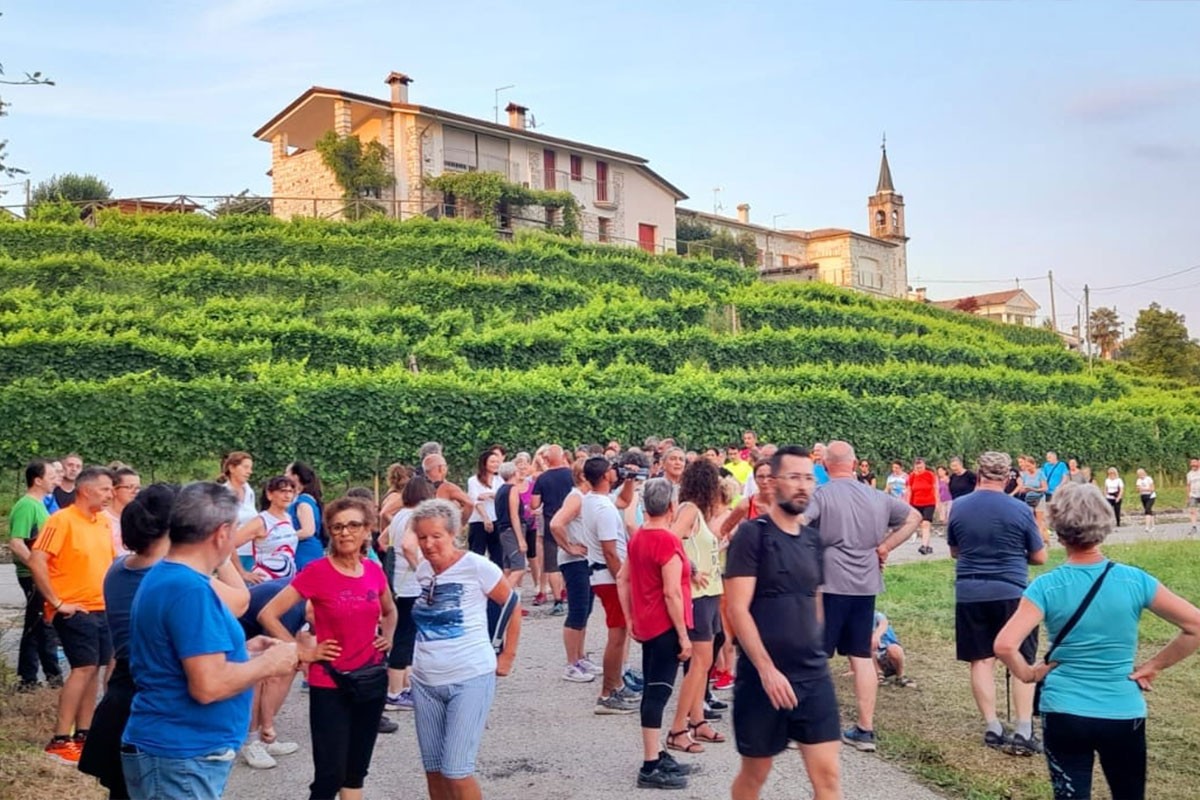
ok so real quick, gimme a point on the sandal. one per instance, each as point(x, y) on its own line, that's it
point(715, 737)
point(905, 682)
point(691, 748)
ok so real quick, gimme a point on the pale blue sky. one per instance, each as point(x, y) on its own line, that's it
point(1024, 136)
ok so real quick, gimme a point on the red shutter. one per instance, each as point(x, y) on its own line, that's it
point(548, 168)
point(576, 168)
point(601, 182)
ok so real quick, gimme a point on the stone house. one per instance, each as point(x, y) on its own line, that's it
point(622, 200)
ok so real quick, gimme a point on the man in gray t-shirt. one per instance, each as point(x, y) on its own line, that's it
point(858, 526)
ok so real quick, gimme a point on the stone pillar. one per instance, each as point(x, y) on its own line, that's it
point(341, 117)
point(279, 148)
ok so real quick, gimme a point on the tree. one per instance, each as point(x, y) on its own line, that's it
point(695, 238)
point(361, 170)
point(967, 305)
point(28, 79)
point(1104, 329)
point(71, 188)
point(1161, 344)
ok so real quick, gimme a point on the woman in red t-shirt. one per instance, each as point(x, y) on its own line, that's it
point(922, 495)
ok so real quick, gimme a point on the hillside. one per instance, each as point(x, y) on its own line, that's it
point(166, 340)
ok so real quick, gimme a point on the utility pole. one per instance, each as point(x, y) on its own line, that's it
point(28, 194)
point(1087, 320)
point(1079, 323)
point(1053, 309)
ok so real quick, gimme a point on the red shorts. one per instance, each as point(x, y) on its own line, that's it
point(614, 617)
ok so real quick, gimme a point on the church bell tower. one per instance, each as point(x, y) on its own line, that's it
point(886, 206)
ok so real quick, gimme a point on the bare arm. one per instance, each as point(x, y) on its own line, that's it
point(212, 678)
point(900, 535)
point(39, 567)
point(1179, 612)
point(388, 618)
point(1008, 643)
point(270, 616)
point(448, 491)
point(735, 517)
point(20, 550)
point(611, 559)
point(253, 529)
point(558, 525)
point(627, 494)
point(672, 575)
point(1039, 556)
point(388, 508)
point(230, 587)
point(409, 547)
point(307, 520)
point(686, 521)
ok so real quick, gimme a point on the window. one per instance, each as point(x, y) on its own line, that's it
point(548, 168)
point(896, 221)
point(880, 219)
point(576, 168)
point(601, 181)
point(604, 228)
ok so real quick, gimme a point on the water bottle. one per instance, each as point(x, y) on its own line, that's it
point(63, 666)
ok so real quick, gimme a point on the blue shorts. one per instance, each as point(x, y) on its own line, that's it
point(450, 720)
point(151, 777)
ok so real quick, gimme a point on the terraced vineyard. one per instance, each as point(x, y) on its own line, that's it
point(166, 340)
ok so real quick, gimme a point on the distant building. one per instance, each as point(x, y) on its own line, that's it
point(1013, 306)
point(876, 263)
point(622, 199)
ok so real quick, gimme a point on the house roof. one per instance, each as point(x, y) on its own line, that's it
point(989, 299)
point(791, 233)
point(268, 129)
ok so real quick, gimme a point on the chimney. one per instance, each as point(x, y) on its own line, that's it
point(922, 297)
point(399, 83)
point(516, 116)
point(744, 213)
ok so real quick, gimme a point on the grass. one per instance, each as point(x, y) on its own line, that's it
point(934, 730)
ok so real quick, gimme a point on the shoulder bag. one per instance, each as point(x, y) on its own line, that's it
point(1062, 634)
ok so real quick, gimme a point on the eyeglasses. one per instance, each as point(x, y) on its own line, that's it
point(130, 487)
point(428, 587)
point(792, 476)
point(355, 526)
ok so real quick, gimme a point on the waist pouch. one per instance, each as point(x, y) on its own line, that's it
point(363, 685)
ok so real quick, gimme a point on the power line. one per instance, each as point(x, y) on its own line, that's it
point(917, 280)
point(1147, 280)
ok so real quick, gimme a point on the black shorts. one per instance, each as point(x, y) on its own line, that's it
point(706, 619)
point(405, 637)
point(926, 512)
point(84, 637)
point(977, 624)
point(849, 623)
point(549, 553)
point(762, 731)
point(531, 537)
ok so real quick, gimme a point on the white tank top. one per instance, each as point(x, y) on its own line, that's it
point(275, 553)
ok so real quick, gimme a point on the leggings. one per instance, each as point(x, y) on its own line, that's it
point(1116, 507)
point(1148, 505)
point(1071, 743)
point(577, 575)
point(660, 665)
point(343, 739)
point(487, 544)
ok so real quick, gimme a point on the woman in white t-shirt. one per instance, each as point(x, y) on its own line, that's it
point(236, 470)
point(482, 537)
point(1145, 488)
point(454, 662)
point(1114, 491)
point(271, 536)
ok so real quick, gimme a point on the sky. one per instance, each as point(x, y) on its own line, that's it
point(1025, 137)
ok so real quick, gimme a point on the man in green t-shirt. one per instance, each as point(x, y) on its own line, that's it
point(38, 641)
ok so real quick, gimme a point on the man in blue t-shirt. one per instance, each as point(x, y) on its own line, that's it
point(1054, 471)
point(194, 669)
point(995, 538)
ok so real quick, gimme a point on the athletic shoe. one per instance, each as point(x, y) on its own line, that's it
point(558, 609)
point(524, 612)
point(392, 703)
point(539, 599)
point(1018, 745)
point(629, 695)
point(863, 741)
point(659, 778)
point(577, 674)
point(304, 685)
point(80, 739)
point(613, 704)
point(388, 725)
point(634, 681)
point(255, 754)
point(589, 666)
point(994, 740)
point(710, 715)
point(282, 748)
point(717, 705)
point(64, 751)
point(25, 687)
point(667, 762)
point(405, 700)
point(724, 680)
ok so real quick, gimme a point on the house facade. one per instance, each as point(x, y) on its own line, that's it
point(875, 263)
point(1013, 306)
point(622, 200)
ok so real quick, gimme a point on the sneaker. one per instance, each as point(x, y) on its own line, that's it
point(282, 748)
point(55, 681)
point(904, 682)
point(255, 754)
point(587, 665)
point(393, 702)
point(629, 695)
point(64, 751)
point(715, 704)
point(25, 687)
point(633, 681)
point(724, 680)
point(524, 612)
point(80, 739)
point(863, 741)
point(539, 599)
point(558, 610)
point(659, 778)
point(404, 701)
point(710, 715)
point(575, 673)
point(667, 762)
point(1018, 745)
point(613, 704)
point(304, 685)
point(996, 741)
point(388, 725)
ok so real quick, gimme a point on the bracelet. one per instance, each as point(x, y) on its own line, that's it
point(60, 604)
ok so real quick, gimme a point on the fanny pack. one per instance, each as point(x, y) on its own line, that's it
point(363, 685)
point(597, 566)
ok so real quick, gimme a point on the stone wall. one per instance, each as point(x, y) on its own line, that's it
point(304, 187)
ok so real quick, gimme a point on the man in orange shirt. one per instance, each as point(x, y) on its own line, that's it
point(68, 562)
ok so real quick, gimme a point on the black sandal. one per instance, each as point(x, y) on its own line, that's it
point(691, 748)
point(716, 737)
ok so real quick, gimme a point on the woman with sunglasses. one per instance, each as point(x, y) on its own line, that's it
point(354, 620)
point(454, 662)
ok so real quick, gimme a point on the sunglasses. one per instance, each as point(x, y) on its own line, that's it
point(428, 587)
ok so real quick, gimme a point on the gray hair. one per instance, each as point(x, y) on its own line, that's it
point(657, 495)
point(200, 509)
point(448, 513)
point(994, 466)
point(507, 470)
point(428, 449)
point(1080, 515)
point(522, 456)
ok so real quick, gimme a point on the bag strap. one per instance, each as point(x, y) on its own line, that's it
point(502, 620)
point(1083, 606)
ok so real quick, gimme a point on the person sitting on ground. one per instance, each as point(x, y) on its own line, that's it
point(889, 655)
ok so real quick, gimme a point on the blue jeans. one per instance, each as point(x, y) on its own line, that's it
point(154, 777)
point(450, 721)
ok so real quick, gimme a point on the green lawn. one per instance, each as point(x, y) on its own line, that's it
point(935, 730)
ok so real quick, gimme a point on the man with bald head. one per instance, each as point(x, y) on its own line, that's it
point(549, 491)
point(435, 468)
point(859, 526)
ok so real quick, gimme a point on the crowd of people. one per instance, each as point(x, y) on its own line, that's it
point(746, 567)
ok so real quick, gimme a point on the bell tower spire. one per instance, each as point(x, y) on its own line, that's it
point(885, 172)
point(886, 207)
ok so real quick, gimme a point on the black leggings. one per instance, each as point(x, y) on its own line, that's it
point(1148, 504)
point(1116, 507)
point(1071, 743)
point(660, 665)
point(482, 543)
point(343, 739)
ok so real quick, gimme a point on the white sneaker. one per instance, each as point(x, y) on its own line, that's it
point(256, 755)
point(282, 748)
point(590, 668)
point(575, 674)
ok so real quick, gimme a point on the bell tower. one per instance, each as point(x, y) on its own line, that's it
point(886, 206)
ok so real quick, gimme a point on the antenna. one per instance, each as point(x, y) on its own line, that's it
point(496, 93)
point(717, 207)
point(533, 123)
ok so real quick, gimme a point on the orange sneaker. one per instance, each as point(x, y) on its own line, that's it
point(64, 751)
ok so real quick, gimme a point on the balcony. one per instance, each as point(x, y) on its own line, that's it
point(587, 191)
point(460, 160)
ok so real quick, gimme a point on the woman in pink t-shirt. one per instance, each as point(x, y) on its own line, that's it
point(354, 620)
